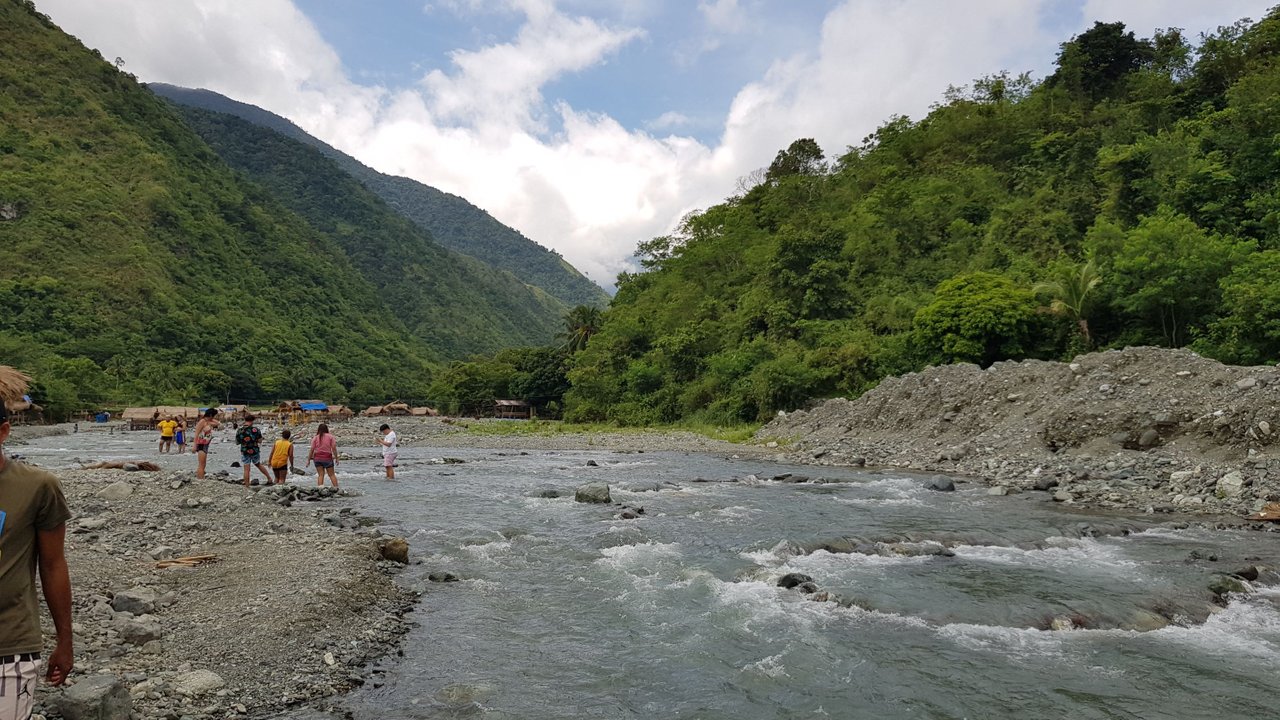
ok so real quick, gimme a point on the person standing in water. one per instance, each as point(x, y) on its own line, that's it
point(324, 453)
point(389, 450)
point(249, 438)
point(204, 438)
point(180, 435)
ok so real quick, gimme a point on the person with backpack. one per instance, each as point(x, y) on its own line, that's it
point(249, 438)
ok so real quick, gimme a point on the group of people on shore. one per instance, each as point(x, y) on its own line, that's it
point(322, 451)
point(173, 431)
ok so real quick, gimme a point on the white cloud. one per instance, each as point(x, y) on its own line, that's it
point(581, 182)
point(723, 15)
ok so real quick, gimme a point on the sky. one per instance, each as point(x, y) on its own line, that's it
point(593, 125)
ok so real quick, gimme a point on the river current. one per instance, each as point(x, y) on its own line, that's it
point(564, 610)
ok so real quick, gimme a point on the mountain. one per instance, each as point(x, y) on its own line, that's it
point(457, 304)
point(1130, 198)
point(137, 266)
point(451, 220)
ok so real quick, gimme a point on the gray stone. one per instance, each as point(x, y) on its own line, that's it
point(1181, 475)
point(139, 601)
point(1045, 484)
point(596, 492)
point(396, 550)
point(442, 577)
point(1222, 585)
point(140, 630)
point(1247, 383)
point(1231, 484)
point(791, 580)
point(1063, 496)
point(116, 491)
point(940, 484)
point(998, 490)
point(1149, 438)
point(198, 682)
point(97, 697)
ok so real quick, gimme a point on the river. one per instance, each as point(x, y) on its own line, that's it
point(564, 610)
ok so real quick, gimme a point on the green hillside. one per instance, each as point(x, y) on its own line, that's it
point(136, 266)
point(1131, 197)
point(459, 305)
point(451, 220)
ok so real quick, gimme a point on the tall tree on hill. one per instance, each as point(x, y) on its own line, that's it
point(579, 325)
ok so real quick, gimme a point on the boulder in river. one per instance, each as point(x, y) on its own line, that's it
point(1222, 585)
point(595, 492)
point(940, 484)
point(791, 580)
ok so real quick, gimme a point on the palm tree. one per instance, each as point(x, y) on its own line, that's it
point(1069, 295)
point(579, 325)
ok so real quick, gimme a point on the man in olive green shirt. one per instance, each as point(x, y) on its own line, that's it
point(33, 526)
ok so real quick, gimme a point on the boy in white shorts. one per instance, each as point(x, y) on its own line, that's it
point(389, 450)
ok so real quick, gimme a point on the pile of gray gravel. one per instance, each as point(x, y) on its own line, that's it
point(1141, 428)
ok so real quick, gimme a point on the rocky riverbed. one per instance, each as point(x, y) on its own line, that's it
point(292, 603)
point(1150, 429)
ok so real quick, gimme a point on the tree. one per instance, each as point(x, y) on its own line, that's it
point(1165, 272)
point(802, 157)
point(980, 317)
point(1094, 63)
point(1069, 294)
point(579, 325)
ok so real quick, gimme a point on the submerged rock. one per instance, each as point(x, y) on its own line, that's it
point(792, 580)
point(596, 492)
point(940, 484)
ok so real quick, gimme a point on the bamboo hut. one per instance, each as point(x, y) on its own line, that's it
point(396, 408)
point(340, 412)
point(424, 412)
point(145, 418)
point(512, 410)
point(373, 411)
point(23, 412)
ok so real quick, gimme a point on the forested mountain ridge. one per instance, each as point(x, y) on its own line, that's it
point(451, 220)
point(137, 266)
point(457, 304)
point(1132, 197)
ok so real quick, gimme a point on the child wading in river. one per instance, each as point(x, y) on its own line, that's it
point(389, 450)
point(282, 457)
point(249, 438)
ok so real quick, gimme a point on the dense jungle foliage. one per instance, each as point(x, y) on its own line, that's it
point(135, 266)
point(1131, 197)
point(457, 304)
point(451, 220)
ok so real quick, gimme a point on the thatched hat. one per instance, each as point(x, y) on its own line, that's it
point(13, 383)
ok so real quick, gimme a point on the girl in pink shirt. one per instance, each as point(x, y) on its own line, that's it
point(324, 453)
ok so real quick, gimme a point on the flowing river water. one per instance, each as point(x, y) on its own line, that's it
point(564, 610)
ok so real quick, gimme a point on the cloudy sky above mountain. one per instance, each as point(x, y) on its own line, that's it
point(591, 125)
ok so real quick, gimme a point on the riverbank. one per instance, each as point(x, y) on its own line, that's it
point(289, 607)
point(1144, 429)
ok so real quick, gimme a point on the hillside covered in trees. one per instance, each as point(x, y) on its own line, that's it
point(451, 220)
point(1131, 197)
point(136, 265)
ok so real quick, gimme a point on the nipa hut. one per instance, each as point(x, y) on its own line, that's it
point(424, 412)
point(340, 412)
point(396, 408)
point(512, 410)
point(373, 411)
point(145, 418)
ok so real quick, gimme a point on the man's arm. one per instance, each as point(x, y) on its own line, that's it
point(56, 582)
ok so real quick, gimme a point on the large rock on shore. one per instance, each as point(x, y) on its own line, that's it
point(137, 601)
point(395, 550)
point(97, 697)
point(595, 492)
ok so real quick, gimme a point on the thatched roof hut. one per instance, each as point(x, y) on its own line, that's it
point(373, 411)
point(512, 409)
point(340, 412)
point(13, 384)
point(424, 412)
point(396, 408)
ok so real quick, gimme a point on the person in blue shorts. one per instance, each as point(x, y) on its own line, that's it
point(249, 438)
